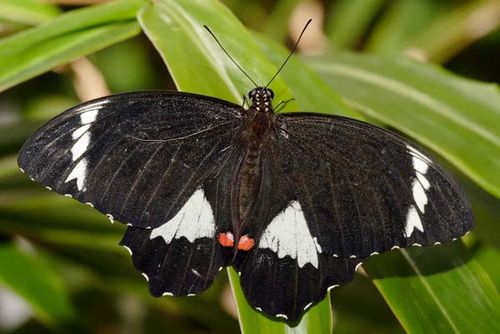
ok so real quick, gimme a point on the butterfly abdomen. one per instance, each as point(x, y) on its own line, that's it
point(247, 184)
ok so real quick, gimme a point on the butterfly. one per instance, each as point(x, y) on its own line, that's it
point(293, 201)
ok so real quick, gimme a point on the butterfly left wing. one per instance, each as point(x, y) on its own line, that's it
point(143, 158)
point(137, 157)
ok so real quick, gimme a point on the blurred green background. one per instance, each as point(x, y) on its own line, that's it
point(61, 269)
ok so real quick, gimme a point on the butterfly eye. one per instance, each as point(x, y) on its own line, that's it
point(270, 93)
point(251, 93)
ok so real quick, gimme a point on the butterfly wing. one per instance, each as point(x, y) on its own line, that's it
point(137, 157)
point(345, 190)
point(365, 190)
point(173, 266)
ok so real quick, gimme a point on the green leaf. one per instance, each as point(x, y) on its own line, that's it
point(400, 22)
point(456, 117)
point(489, 258)
point(437, 290)
point(27, 275)
point(452, 32)
point(277, 24)
point(29, 12)
point(340, 28)
point(67, 37)
point(209, 71)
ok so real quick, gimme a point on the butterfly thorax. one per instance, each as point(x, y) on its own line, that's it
point(262, 99)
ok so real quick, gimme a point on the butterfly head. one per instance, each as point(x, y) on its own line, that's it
point(262, 99)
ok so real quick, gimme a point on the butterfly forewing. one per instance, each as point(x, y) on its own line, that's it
point(365, 190)
point(137, 157)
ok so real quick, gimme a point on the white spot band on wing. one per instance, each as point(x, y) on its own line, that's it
point(193, 221)
point(419, 186)
point(288, 235)
point(82, 136)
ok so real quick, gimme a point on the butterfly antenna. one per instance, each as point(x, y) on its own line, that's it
point(227, 54)
point(290, 54)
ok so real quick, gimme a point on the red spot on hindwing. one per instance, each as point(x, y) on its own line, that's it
point(246, 243)
point(226, 239)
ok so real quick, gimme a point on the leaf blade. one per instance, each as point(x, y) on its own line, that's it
point(29, 12)
point(69, 36)
point(437, 289)
point(36, 283)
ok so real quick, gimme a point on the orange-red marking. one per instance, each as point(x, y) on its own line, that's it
point(246, 243)
point(226, 239)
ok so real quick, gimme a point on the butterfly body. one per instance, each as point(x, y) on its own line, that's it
point(257, 134)
point(294, 201)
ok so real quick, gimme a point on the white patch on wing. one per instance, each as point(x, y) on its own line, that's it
point(89, 116)
point(195, 220)
point(288, 235)
point(420, 165)
point(412, 222)
point(79, 173)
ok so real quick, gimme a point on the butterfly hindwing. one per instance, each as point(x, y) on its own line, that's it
point(180, 257)
point(137, 157)
point(365, 190)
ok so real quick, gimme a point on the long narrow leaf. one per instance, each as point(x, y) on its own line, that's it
point(69, 36)
point(29, 12)
point(340, 28)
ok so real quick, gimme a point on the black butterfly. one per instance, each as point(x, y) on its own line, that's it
point(294, 201)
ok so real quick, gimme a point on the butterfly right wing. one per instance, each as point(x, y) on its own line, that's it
point(365, 190)
point(137, 157)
